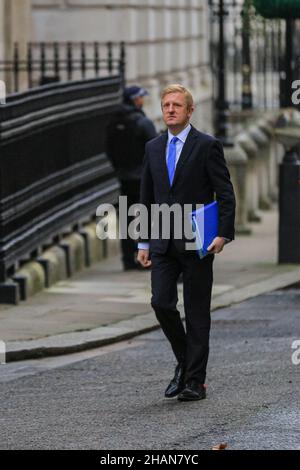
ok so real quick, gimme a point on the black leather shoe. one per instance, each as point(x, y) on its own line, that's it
point(192, 391)
point(177, 383)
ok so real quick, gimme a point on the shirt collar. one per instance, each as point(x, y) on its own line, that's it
point(182, 135)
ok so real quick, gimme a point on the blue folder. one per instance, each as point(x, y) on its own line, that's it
point(205, 223)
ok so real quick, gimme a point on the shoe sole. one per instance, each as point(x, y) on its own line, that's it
point(190, 398)
point(174, 395)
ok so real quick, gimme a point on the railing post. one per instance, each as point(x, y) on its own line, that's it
point(56, 59)
point(69, 61)
point(96, 58)
point(273, 64)
point(289, 51)
point(109, 58)
point(289, 207)
point(83, 59)
point(222, 106)
point(29, 64)
point(43, 60)
point(122, 62)
point(16, 67)
point(246, 65)
point(265, 64)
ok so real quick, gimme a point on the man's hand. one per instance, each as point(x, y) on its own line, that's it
point(143, 258)
point(217, 245)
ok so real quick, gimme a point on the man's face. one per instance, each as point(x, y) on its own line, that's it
point(175, 110)
point(139, 101)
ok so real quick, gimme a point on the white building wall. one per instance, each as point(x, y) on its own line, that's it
point(15, 16)
point(2, 35)
point(167, 40)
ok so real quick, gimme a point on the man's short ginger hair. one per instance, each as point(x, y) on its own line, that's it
point(176, 88)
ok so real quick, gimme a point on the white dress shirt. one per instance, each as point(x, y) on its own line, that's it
point(179, 144)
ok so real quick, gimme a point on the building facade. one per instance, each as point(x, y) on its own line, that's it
point(167, 41)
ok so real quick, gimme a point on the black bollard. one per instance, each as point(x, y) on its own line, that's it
point(289, 208)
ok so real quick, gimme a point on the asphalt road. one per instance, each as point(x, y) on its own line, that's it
point(112, 398)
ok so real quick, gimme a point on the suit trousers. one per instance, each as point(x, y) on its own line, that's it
point(131, 189)
point(190, 345)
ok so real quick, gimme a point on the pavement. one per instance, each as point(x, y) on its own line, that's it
point(103, 304)
point(112, 397)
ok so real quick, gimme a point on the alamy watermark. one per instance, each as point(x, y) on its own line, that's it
point(296, 353)
point(296, 94)
point(159, 221)
point(2, 352)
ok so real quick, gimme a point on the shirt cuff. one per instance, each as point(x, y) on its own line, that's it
point(143, 246)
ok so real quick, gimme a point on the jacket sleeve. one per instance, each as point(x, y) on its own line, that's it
point(146, 193)
point(147, 129)
point(220, 180)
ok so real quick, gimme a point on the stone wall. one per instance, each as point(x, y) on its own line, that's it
point(167, 41)
point(15, 23)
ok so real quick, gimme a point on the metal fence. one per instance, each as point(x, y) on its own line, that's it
point(254, 55)
point(54, 170)
point(47, 62)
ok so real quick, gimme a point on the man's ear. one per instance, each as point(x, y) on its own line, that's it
point(191, 110)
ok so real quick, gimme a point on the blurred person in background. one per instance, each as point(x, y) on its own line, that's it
point(127, 135)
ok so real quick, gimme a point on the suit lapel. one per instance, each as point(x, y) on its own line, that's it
point(161, 151)
point(185, 153)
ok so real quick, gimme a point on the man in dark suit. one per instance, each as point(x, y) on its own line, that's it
point(184, 166)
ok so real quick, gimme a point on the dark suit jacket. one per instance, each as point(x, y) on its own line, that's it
point(201, 174)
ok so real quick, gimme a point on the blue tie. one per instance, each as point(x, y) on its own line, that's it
point(172, 159)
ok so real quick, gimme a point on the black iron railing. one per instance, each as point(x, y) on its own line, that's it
point(254, 55)
point(53, 168)
point(43, 63)
point(253, 60)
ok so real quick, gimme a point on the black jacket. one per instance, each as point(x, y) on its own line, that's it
point(201, 174)
point(126, 137)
